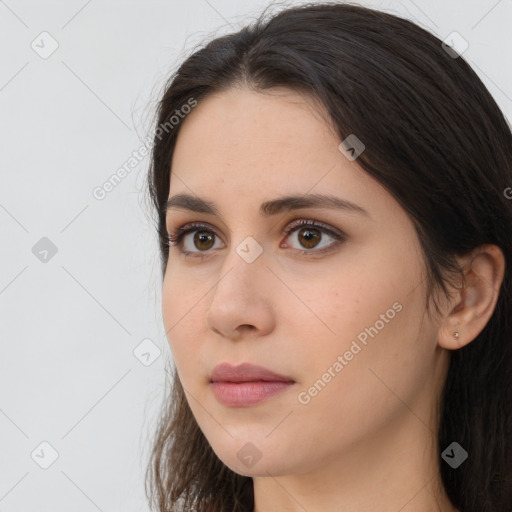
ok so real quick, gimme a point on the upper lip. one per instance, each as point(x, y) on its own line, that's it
point(245, 372)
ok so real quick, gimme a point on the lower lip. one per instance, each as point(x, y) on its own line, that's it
point(240, 394)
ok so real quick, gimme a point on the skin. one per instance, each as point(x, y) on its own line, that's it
point(366, 441)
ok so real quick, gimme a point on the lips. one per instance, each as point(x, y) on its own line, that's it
point(246, 385)
point(246, 372)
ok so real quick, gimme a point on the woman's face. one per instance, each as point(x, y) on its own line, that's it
point(338, 308)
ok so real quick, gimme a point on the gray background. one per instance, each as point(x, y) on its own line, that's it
point(70, 322)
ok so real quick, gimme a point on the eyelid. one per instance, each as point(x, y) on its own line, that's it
point(293, 225)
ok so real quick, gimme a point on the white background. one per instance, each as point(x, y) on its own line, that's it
point(68, 375)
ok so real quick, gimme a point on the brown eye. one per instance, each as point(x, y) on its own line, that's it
point(199, 244)
point(203, 240)
point(312, 237)
point(309, 238)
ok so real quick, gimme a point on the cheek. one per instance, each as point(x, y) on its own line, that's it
point(183, 314)
point(359, 387)
point(335, 306)
point(370, 317)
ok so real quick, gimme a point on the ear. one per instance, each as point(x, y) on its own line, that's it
point(473, 304)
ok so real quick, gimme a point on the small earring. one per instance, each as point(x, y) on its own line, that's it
point(456, 334)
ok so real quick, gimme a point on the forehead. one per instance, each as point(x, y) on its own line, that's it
point(243, 133)
point(243, 146)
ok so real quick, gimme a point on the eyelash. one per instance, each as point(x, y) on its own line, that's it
point(175, 239)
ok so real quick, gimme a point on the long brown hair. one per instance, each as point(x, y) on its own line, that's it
point(438, 142)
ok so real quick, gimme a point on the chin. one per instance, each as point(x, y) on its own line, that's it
point(253, 459)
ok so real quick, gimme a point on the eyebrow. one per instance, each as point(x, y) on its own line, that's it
point(269, 208)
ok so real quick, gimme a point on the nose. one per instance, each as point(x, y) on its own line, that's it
point(241, 301)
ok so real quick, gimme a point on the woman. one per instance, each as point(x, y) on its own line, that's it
point(331, 190)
